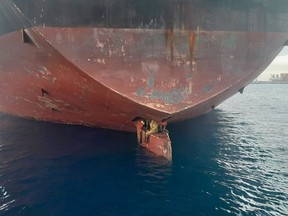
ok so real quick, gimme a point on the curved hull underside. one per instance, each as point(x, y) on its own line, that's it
point(105, 71)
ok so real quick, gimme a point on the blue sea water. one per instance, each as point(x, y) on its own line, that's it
point(232, 161)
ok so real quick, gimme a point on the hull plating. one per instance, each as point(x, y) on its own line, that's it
point(105, 75)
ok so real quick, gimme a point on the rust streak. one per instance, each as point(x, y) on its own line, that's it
point(191, 47)
point(169, 35)
point(171, 44)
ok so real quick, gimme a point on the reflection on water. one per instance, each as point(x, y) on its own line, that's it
point(255, 169)
point(4, 195)
point(153, 172)
point(247, 175)
point(249, 171)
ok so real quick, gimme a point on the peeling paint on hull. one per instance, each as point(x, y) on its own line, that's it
point(106, 76)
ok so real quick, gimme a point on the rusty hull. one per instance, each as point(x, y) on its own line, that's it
point(107, 77)
point(116, 61)
point(159, 144)
point(40, 83)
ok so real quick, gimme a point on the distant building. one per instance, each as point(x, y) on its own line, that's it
point(283, 77)
point(274, 79)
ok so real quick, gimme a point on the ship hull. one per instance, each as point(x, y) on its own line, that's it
point(106, 76)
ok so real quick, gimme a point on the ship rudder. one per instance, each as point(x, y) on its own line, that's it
point(158, 142)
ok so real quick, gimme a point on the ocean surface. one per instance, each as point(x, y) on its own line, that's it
point(231, 161)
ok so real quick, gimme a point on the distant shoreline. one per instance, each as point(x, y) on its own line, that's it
point(269, 82)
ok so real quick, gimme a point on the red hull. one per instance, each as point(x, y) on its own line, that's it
point(107, 77)
point(159, 144)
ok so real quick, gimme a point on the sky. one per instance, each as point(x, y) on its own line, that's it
point(279, 65)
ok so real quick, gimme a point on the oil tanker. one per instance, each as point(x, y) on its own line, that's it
point(105, 63)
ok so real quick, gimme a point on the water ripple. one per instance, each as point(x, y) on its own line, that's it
point(5, 200)
point(256, 165)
